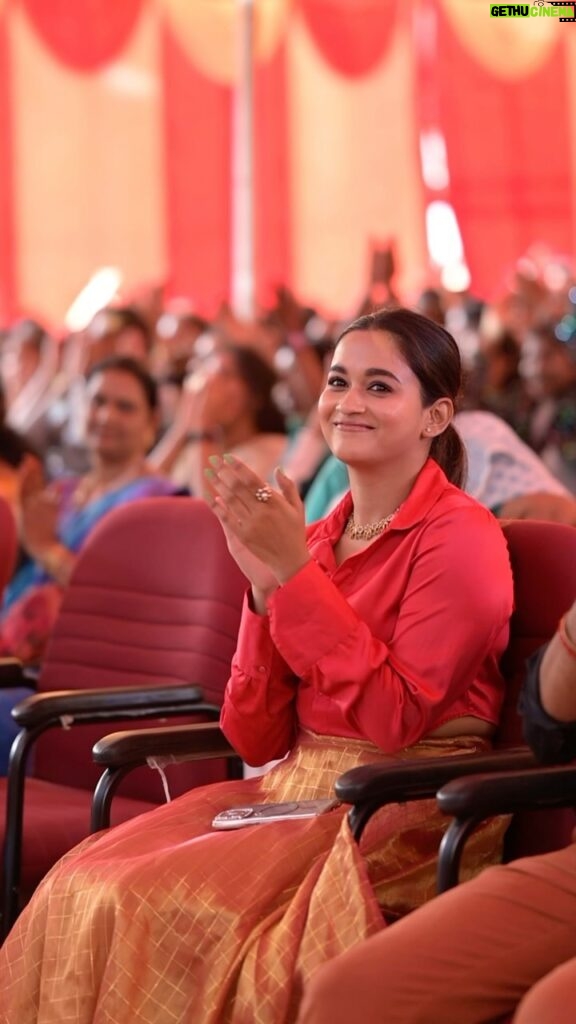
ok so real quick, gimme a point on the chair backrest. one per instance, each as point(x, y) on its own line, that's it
point(155, 598)
point(543, 559)
point(8, 544)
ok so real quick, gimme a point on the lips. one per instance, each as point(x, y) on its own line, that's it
point(353, 428)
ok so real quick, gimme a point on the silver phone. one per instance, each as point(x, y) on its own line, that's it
point(259, 814)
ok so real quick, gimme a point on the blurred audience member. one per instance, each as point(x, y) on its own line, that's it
point(227, 405)
point(177, 332)
point(506, 475)
point(430, 303)
point(548, 365)
point(28, 364)
point(15, 453)
point(503, 390)
point(56, 520)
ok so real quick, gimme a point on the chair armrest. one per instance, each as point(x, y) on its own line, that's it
point(121, 752)
point(178, 742)
point(482, 796)
point(471, 800)
point(397, 780)
point(45, 709)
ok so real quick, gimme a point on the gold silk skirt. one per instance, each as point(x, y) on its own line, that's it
point(164, 920)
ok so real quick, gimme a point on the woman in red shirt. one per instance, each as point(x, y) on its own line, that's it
point(377, 631)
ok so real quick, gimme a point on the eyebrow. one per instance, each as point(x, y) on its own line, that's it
point(372, 371)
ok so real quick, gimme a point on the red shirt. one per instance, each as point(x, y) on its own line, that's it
point(399, 638)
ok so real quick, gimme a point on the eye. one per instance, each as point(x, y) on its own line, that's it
point(336, 382)
point(380, 387)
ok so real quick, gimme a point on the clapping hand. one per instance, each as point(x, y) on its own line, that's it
point(38, 513)
point(265, 528)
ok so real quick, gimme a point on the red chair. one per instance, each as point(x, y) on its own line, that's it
point(8, 544)
point(151, 613)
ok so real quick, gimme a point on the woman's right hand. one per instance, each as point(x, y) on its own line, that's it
point(258, 574)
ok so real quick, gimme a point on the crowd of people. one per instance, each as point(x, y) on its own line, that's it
point(361, 507)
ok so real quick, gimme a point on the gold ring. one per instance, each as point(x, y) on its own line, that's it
point(263, 494)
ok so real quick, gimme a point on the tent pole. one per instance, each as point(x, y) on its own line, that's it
point(242, 205)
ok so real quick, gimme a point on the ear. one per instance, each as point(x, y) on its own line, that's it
point(437, 417)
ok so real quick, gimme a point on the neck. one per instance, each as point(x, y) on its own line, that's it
point(377, 493)
point(105, 473)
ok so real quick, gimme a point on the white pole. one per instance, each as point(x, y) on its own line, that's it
point(242, 270)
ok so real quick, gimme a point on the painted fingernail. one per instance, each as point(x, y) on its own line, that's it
point(209, 473)
point(214, 460)
point(229, 458)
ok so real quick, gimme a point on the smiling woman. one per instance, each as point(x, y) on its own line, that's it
point(56, 519)
point(388, 404)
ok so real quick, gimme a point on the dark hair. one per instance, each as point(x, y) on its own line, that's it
point(126, 364)
point(260, 379)
point(434, 358)
point(122, 318)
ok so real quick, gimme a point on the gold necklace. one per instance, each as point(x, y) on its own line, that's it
point(371, 530)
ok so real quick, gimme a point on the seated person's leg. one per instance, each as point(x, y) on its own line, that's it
point(464, 958)
point(552, 1000)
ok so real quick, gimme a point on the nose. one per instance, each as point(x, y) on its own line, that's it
point(351, 401)
point(103, 413)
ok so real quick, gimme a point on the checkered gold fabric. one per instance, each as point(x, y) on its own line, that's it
point(164, 920)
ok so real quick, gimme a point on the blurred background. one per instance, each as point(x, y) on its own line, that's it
point(132, 136)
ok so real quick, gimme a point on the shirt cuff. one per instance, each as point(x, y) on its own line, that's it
point(255, 652)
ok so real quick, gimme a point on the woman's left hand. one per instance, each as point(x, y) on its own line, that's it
point(274, 529)
point(39, 519)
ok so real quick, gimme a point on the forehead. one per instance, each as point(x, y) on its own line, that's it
point(363, 350)
point(116, 384)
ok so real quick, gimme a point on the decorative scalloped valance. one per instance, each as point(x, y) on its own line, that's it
point(352, 35)
point(509, 48)
point(84, 34)
point(207, 32)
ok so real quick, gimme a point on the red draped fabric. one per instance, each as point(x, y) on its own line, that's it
point(352, 35)
point(7, 241)
point(197, 169)
point(508, 144)
point(84, 34)
point(508, 135)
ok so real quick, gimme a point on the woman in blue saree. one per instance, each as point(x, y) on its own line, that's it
point(55, 521)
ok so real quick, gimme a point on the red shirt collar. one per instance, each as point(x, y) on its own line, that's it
point(430, 483)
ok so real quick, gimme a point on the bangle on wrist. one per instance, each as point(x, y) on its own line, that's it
point(568, 643)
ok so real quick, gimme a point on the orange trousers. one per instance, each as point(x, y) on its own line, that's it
point(500, 947)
